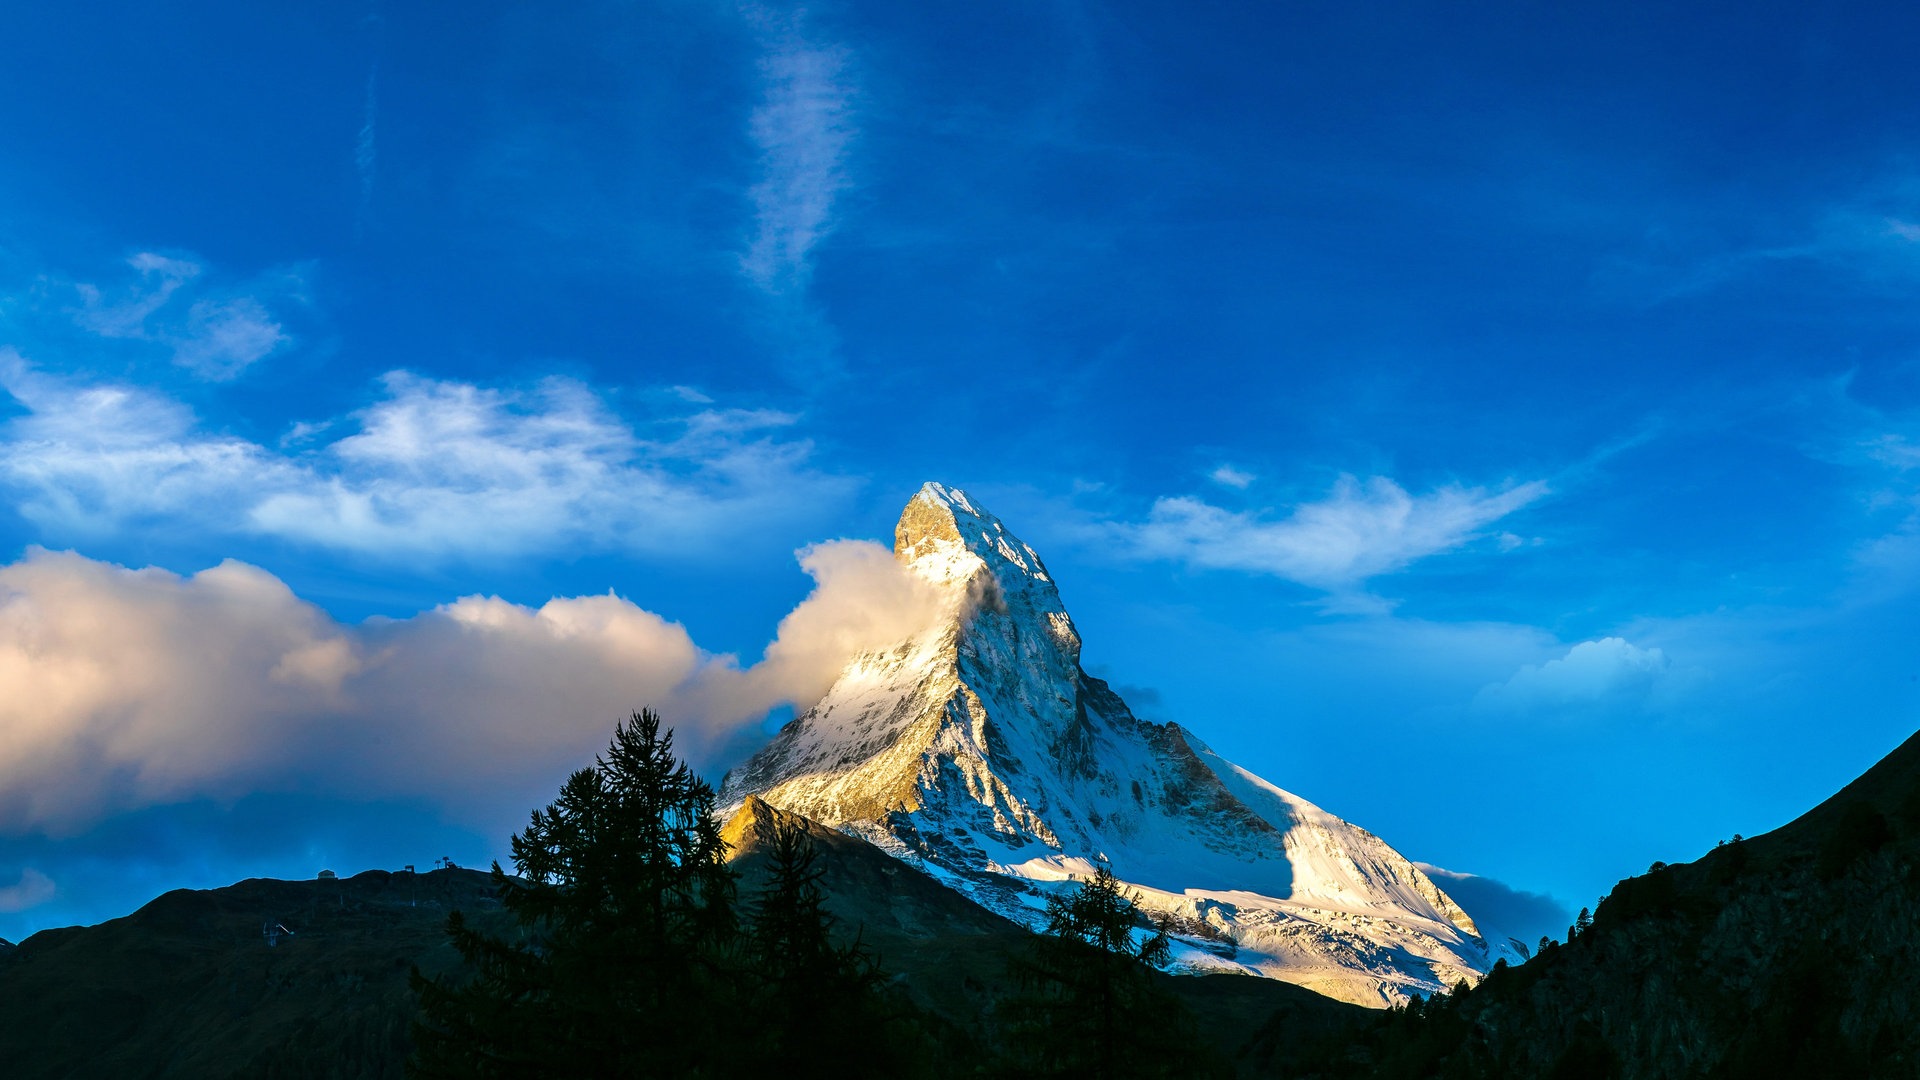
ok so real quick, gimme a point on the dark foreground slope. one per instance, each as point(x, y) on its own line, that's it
point(188, 987)
point(951, 956)
point(1791, 954)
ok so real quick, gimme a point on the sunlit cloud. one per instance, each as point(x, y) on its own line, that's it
point(134, 688)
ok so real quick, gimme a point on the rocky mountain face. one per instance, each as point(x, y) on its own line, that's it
point(980, 751)
point(1790, 954)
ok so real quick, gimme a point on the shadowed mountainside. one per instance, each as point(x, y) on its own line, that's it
point(951, 955)
point(1789, 954)
point(188, 985)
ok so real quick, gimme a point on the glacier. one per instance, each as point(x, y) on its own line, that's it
point(980, 751)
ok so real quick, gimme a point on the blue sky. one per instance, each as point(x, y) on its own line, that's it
point(1499, 426)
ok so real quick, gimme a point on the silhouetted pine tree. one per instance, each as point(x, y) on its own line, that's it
point(625, 908)
point(1088, 1005)
point(821, 1007)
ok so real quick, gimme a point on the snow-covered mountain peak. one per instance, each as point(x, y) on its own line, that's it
point(983, 753)
point(939, 522)
point(946, 538)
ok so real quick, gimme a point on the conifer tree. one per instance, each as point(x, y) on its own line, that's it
point(1089, 1006)
point(820, 1004)
point(624, 910)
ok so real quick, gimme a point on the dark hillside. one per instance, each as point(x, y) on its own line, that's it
point(952, 955)
point(1789, 954)
point(188, 986)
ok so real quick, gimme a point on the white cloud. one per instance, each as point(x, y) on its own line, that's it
point(1232, 477)
point(223, 337)
point(430, 469)
point(125, 313)
point(216, 336)
point(1608, 672)
point(132, 688)
point(1357, 532)
point(802, 128)
point(88, 459)
point(33, 889)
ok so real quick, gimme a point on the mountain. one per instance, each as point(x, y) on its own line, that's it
point(980, 751)
point(1790, 954)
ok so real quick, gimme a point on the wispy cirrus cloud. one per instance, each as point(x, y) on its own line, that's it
point(1359, 531)
point(1879, 448)
point(87, 458)
point(1867, 239)
point(214, 332)
point(430, 469)
point(366, 150)
point(802, 128)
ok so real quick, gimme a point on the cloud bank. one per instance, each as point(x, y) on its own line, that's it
point(136, 688)
point(1361, 530)
point(431, 468)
